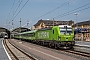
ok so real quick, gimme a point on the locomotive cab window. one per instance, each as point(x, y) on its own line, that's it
point(64, 30)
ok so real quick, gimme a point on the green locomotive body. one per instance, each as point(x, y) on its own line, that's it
point(57, 36)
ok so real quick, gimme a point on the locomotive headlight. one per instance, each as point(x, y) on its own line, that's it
point(59, 38)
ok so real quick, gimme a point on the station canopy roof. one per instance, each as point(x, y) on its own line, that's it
point(4, 30)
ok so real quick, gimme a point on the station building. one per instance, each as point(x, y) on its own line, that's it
point(49, 23)
point(83, 30)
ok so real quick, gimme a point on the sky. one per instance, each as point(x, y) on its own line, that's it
point(31, 11)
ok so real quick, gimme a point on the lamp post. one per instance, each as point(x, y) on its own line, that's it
point(76, 14)
point(20, 30)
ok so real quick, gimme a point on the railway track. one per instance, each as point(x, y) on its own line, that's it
point(72, 53)
point(83, 48)
point(17, 53)
point(79, 53)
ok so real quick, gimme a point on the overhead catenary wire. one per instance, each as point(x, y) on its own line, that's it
point(14, 12)
point(10, 11)
point(20, 9)
point(81, 8)
point(64, 4)
point(14, 16)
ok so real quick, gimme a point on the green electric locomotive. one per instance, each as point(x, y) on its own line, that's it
point(58, 36)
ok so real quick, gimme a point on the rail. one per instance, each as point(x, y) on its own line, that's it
point(26, 55)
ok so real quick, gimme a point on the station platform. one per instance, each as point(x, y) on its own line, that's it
point(82, 46)
point(82, 43)
point(3, 53)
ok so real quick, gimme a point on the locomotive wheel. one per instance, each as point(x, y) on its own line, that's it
point(50, 45)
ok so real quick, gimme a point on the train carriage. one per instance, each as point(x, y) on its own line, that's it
point(30, 35)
